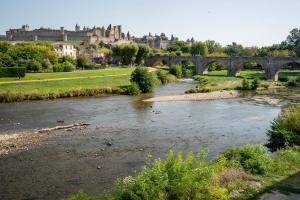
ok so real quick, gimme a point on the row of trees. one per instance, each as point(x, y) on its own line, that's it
point(130, 54)
point(39, 57)
point(287, 48)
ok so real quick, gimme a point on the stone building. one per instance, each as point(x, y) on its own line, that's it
point(63, 49)
point(156, 41)
point(92, 35)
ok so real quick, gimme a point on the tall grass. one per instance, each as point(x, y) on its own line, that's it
point(238, 173)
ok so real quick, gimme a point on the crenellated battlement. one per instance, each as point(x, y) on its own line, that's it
point(92, 35)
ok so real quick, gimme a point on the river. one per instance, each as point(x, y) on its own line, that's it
point(62, 165)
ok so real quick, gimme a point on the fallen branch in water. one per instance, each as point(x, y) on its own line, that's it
point(62, 127)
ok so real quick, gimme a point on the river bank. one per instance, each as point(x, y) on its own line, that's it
point(123, 131)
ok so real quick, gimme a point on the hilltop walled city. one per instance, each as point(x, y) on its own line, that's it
point(99, 113)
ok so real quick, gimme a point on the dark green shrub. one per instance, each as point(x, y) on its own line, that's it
point(82, 62)
point(188, 73)
point(285, 129)
point(255, 84)
point(58, 68)
point(253, 158)
point(90, 65)
point(66, 58)
point(12, 71)
point(162, 75)
point(246, 85)
point(132, 89)
point(34, 66)
point(6, 60)
point(291, 82)
point(144, 79)
point(46, 64)
point(176, 70)
point(68, 67)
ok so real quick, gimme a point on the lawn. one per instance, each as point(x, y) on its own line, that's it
point(59, 86)
point(218, 80)
point(75, 74)
point(81, 83)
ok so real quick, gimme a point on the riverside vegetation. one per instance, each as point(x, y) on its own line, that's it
point(239, 173)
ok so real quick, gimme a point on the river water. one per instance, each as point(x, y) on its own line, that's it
point(135, 129)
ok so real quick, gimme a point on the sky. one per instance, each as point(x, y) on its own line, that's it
point(247, 22)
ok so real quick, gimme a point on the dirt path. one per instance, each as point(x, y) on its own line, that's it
point(197, 96)
point(60, 79)
point(274, 195)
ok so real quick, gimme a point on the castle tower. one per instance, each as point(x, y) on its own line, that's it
point(128, 36)
point(102, 31)
point(120, 32)
point(77, 28)
point(25, 27)
point(62, 30)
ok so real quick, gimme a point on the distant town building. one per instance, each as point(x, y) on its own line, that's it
point(156, 41)
point(92, 35)
point(63, 49)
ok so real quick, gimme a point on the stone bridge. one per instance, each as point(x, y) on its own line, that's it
point(234, 65)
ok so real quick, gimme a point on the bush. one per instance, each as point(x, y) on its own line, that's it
point(252, 158)
point(132, 89)
point(144, 79)
point(34, 66)
point(82, 62)
point(162, 76)
point(176, 70)
point(90, 65)
point(46, 64)
point(6, 60)
point(201, 87)
point(12, 71)
point(58, 68)
point(285, 129)
point(291, 82)
point(255, 84)
point(68, 67)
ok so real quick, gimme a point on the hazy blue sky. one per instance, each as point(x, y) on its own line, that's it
point(249, 22)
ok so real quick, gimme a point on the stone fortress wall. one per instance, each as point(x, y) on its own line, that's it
point(92, 35)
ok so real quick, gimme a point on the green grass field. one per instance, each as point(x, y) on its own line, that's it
point(81, 83)
point(58, 86)
point(218, 80)
point(75, 74)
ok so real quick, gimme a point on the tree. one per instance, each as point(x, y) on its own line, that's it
point(4, 47)
point(234, 49)
point(179, 46)
point(129, 53)
point(67, 58)
point(212, 46)
point(176, 70)
point(31, 51)
point(199, 48)
point(142, 54)
point(82, 62)
point(6, 60)
point(144, 79)
point(34, 66)
point(68, 66)
point(46, 64)
point(293, 40)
